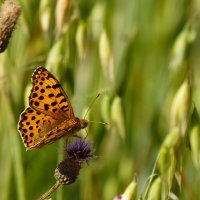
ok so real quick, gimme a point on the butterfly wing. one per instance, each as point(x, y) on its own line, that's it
point(34, 126)
point(48, 97)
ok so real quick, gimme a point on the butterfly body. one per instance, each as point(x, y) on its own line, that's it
point(50, 115)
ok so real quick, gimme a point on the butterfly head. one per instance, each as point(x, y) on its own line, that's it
point(83, 123)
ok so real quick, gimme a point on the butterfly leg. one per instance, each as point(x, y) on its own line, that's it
point(76, 136)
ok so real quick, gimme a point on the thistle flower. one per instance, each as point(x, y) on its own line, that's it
point(9, 14)
point(77, 152)
point(68, 170)
point(80, 150)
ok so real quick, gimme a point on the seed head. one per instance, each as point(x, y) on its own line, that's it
point(9, 14)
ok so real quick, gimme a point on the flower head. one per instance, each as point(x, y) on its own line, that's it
point(67, 171)
point(77, 152)
point(9, 13)
point(80, 150)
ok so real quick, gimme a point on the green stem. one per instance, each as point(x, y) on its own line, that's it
point(151, 178)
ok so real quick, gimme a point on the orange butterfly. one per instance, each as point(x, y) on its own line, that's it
point(50, 115)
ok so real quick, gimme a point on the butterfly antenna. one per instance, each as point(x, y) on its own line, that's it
point(91, 104)
point(98, 122)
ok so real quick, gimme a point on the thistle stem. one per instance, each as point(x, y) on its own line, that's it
point(50, 191)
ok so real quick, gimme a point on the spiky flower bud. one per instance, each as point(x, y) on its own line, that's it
point(9, 14)
point(67, 171)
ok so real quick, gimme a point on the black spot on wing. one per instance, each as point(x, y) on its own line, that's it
point(65, 108)
point(53, 103)
point(59, 95)
point(57, 85)
point(36, 88)
point(41, 98)
point(25, 118)
point(51, 95)
point(63, 100)
point(30, 111)
point(36, 103)
point(34, 95)
point(54, 110)
point(46, 106)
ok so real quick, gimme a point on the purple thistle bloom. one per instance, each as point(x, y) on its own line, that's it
point(80, 150)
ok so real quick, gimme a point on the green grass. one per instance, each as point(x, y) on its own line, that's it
point(154, 47)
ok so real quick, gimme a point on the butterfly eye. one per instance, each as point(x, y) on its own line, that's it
point(83, 123)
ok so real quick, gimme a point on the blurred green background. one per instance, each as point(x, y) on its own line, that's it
point(137, 54)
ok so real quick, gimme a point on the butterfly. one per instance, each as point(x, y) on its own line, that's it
point(50, 115)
